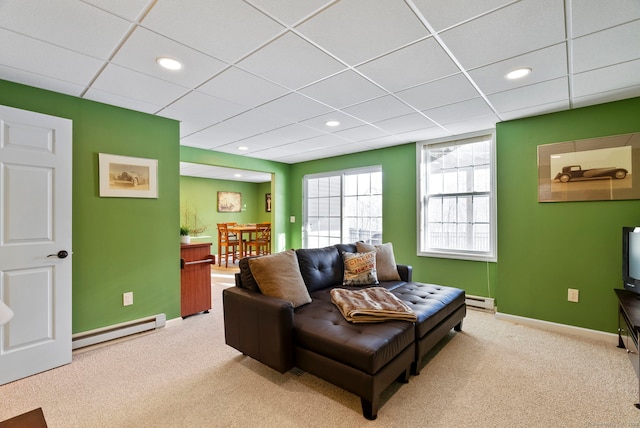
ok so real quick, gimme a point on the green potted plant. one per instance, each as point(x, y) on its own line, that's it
point(184, 235)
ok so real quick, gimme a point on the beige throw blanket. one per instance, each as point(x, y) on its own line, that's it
point(374, 304)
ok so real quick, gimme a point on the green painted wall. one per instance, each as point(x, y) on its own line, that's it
point(123, 244)
point(399, 205)
point(200, 194)
point(279, 188)
point(546, 248)
point(119, 244)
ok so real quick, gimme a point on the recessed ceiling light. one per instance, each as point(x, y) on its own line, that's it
point(243, 148)
point(237, 175)
point(332, 123)
point(518, 73)
point(169, 63)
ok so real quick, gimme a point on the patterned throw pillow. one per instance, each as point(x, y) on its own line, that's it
point(385, 261)
point(359, 268)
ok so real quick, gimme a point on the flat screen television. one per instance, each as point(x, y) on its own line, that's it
point(631, 258)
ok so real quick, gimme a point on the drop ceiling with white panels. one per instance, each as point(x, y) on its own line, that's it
point(266, 75)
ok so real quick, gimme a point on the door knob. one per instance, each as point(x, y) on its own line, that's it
point(62, 254)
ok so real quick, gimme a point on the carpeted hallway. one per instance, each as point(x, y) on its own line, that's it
point(492, 374)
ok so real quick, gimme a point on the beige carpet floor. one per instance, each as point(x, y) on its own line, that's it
point(492, 374)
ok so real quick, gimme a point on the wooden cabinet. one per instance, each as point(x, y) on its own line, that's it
point(195, 278)
point(629, 328)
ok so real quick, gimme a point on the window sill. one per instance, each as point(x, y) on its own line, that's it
point(477, 257)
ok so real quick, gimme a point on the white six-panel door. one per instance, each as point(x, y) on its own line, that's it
point(35, 231)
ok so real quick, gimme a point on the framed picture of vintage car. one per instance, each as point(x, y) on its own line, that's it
point(127, 177)
point(594, 169)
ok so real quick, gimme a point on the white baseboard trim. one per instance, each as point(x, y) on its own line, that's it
point(560, 328)
point(174, 322)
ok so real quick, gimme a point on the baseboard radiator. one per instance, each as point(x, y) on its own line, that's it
point(117, 331)
point(479, 302)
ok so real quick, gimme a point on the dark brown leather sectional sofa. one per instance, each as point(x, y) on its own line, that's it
point(361, 358)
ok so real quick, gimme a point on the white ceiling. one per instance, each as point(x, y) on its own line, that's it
point(222, 173)
point(267, 74)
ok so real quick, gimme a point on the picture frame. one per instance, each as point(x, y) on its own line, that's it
point(593, 169)
point(127, 177)
point(267, 202)
point(229, 202)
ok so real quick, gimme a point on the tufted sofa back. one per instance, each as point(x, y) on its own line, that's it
point(320, 267)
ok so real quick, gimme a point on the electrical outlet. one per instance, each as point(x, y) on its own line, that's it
point(127, 298)
point(573, 295)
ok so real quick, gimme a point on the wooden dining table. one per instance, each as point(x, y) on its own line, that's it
point(241, 230)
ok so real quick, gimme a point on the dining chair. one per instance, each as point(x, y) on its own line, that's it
point(232, 235)
point(227, 244)
point(261, 242)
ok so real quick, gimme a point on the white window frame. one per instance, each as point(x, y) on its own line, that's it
point(423, 248)
point(341, 174)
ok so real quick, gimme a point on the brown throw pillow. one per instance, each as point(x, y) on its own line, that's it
point(278, 275)
point(359, 268)
point(385, 260)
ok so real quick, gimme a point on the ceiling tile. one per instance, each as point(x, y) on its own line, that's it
point(588, 16)
point(468, 109)
point(39, 81)
point(289, 12)
point(441, 92)
point(601, 49)
point(535, 110)
point(379, 109)
point(144, 47)
point(131, 84)
point(295, 107)
point(546, 64)
point(120, 101)
point(424, 134)
point(442, 14)
point(522, 27)
point(70, 24)
point(327, 152)
point(217, 135)
point(284, 135)
point(320, 122)
point(363, 133)
point(415, 64)
point(48, 60)
point(472, 125)
point(529, 96)
point(291, 61)
point(127, 9)
point(201, 110)
point(226, 29)
point(358, 30)
point(343, 89)
point(615, 77)
point(259, 120)
point(606, 97)
point(239, 87)
point(321, 141)
point(386, 141)
point(409, 122)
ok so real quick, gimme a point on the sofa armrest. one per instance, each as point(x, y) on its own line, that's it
point(406, 272)
point(259, 326)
